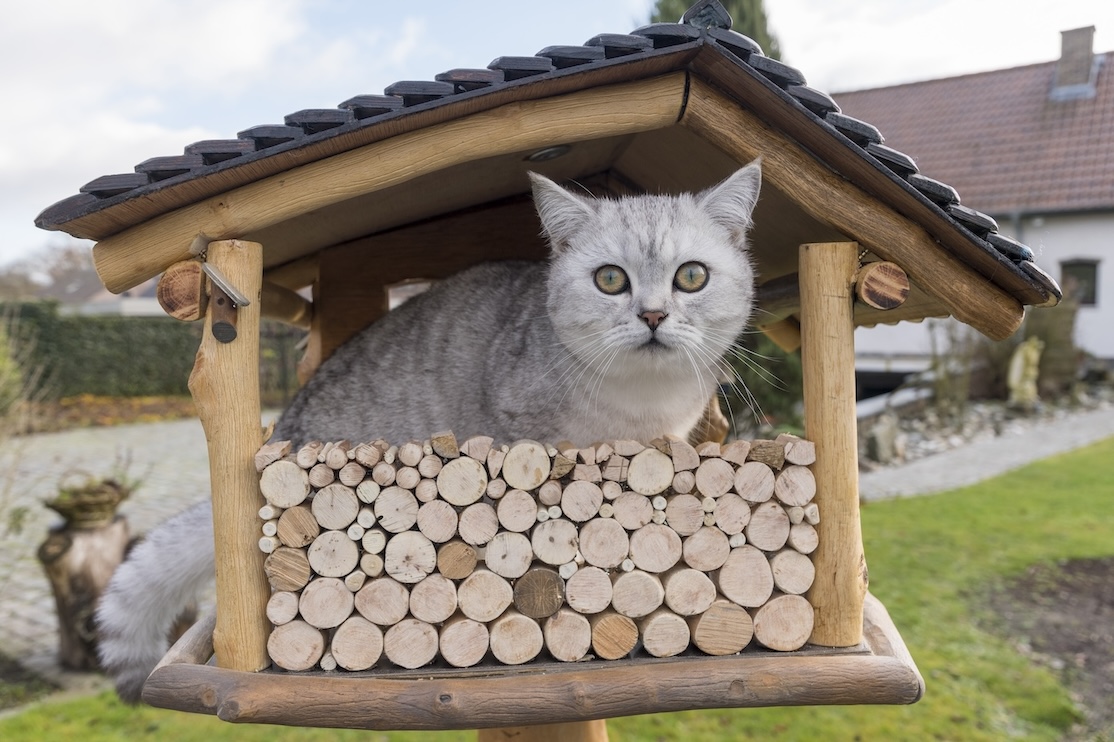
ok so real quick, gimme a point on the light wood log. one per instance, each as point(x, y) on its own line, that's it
point(284, 484)
point(430, 466)
point(410, 453)
point(589, 590)
point(336, 455)
point(709, 449)
point(444, 444)
point(437, 520)
point(724, 628)
point(518, 510)
point(371, 565)
point(735, 452)
point(295, 646)
point(650, 472)
point(495, 461)
point(636, 593)
point(407, 477)
point(745, 578)
point(463, 642)
point(684, 482)
point(282, 607)
point(477, 447)
point(426, 491)
point(462, 481)
point(396, 509)
point(269, 512)
point(587, 473)
point(271, 452)
point(383, 474)
point(321, 475)
point(433, 599)
point(325, 603)
point(410, 643)
point(581, 500)
point(456, 560)
point(828, 358)
point(549, 493)
point(181, 291)
point(286, 306)
point(687, 591)
point(357, 644)
point(562, 465)
point(509, 554)
point(616, 468)
point(732, 513)
point(627, 448)
point(409, 557)
point(383, 601)
point(354, 580)
point(664, 634)
point(368, 490)
point(803, 538)
point(367, 455)
point(351, 474)
point(484, 595)
point(632, 510)
point(568, 635)
point(770, 453)
point(795, 485)
point(655, 548)
point(374, 541)
point(515, 638)
point(754, 482)
point(604, 543)
point(614, 635)
point(882, 285)
point(478, 524)
point(526, 466)
point(685, 514)
point(333, 554)
point(539, 593)
point(801, 452)
point(714, 477)
point(297, 527)
point(554, 542)
point(706, 550)
point(784, 623)
point(268, 544)
point(769, 526)
point(287, 569)
point(793, 572)
point(335, 507)
point(812, 514)
point(306, 457)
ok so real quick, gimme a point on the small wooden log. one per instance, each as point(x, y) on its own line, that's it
point(581, 500)
point(587, 473)
point(333, 554)
point(539, 593)
point(306, 457)
point(296, 646)
point(723, 629)
point(478, 524)
point(803, 538)
point(882, 285)
point(769, 526)
point(271, 452)
point(509, 554)
point(437, 520)
point(495, 459)
point(812, 514)
point(429, 466)
point(426, 491)
point(282, 607)
point(568, 635)
point(706, 550)
point(613, 635)
point(714, 477)
point(409, 557)
point(655, 548)
point(562, 465)
point(367, 455)
point(267, 544)
point(517, 510)
point(410, 453)
point(433, 599)
point(407, 477)
point(754, 482)
point(770, 453)
point(368, 490)
point(604, 543)
point(793, 572)
point(321, 475)
point(477, 447)
point(795, 485)
point(801, 452)
point(396, 509)
point(335, 507)
point(351, 474)
point(632, 510)
point(383, 474)
point(373, 541)
point(355, 580)
point(687, 591)
point(484, 595)
point(383, 601)
point(297, 527)
point(463, 642)
point(554, 542)
point(588, 590)
point(732, 513)
point(371, 565)
point(357, 644)
point(627, 448)
point(684, 456)
point(616, 468)
point(684, 482)
point(325, 603)
point(410, 643)
point(745, 578)
point(456, 560)
point(735, 452)
point(444, 444)
point(636, 593)
point(784, 623)
point(462, 481)
point(284, 484)
point(664, 634)
point(515, 638)
point(181, 291)
point(287, 569)
point(709, 449)
point(526, 466)
point(685, 513)
point(549, 493)
point(650, 472)
point(336, 456)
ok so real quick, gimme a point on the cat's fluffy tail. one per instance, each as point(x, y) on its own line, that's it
point(163, 575)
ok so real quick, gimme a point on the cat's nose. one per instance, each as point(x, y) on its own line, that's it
point(653, 318)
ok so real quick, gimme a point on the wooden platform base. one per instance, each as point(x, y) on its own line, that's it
point(880, 671)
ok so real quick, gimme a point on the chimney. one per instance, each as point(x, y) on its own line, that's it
point(1076, 65)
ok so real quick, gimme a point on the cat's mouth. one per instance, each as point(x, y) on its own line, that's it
point(654, 343)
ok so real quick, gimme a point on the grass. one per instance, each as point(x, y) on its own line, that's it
point(931, 558)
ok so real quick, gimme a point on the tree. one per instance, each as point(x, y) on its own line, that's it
point(748, 18)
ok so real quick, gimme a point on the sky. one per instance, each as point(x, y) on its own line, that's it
point(93, 88)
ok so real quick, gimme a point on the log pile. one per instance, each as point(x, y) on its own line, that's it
point(447, 551)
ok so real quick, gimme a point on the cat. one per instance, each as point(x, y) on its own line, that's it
point(621, 334)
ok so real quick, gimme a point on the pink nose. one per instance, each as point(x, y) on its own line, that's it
point(653, 318)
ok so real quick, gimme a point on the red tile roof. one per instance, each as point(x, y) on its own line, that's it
point(1000, 140)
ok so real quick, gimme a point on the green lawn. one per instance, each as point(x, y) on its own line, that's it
point(930, 558)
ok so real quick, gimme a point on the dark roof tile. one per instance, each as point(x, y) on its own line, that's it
point(464, 80)
point(668, 34)
point(819, 103)
point(620, 45)
point(161, 168)
point(778, 73)
point(572, 56)
point(266, 136)
point(367, 106)
point(416, 92)
point(739, 45)
point(859, 132)
point(314, 120)
point(213, 151)
point(899, 162)
point(939, 193)
point(516, 68)
point(107, 186)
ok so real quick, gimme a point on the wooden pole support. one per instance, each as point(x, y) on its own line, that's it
point(225, 388)
point(828, 365)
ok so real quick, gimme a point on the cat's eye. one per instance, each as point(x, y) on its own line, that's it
point(691, 277)
point(611, 279)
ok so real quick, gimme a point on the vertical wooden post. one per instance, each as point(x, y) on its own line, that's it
point(827, 275)
point(225, 388)
point(574, 731)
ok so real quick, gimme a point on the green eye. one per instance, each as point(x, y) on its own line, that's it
point(611, 279)
point(691, 277)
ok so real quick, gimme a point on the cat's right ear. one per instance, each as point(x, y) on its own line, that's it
point(562, 214)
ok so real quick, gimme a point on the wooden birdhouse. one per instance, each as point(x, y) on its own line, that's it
point(431, 177)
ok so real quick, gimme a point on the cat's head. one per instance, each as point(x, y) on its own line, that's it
point(654, 281)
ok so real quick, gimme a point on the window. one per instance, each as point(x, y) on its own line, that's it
point(1080, 279)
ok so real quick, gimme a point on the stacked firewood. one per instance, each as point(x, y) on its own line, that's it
point(436, 549)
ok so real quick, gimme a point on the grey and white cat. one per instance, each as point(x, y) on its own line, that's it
point(622, 334)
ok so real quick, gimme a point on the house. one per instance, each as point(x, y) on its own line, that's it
point(431, 177)
point(1033, 148)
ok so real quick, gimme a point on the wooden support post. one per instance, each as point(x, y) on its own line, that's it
point(225, 387)
point(827, 274)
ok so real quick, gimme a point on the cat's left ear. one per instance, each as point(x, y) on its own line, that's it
point(562, 214)
point(732, 202)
